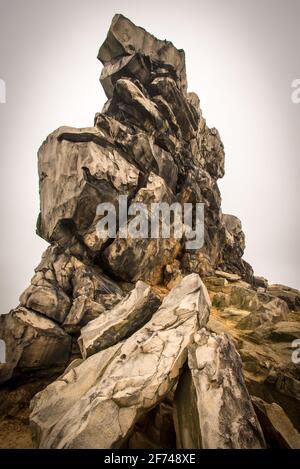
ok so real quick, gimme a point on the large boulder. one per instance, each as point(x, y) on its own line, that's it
point(121, 383)
point(277, 427)
point(130, 50)
point(125, 318)
point(87, 171)
point(32, 342)
point(290, 295)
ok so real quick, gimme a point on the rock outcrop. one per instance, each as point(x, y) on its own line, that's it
point(127, 378)
point(115, 341)
point(221, 414)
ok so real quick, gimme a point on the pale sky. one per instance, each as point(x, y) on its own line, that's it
point(242, 57)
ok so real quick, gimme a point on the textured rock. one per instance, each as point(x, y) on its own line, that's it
point(265, 345)
point(278, 429)
point(228, 276)
point(144, 258)
point(149, 143)
point(125, 318)
point(290, 295)
point(260, 282)
point(68, 290)
point(33, 342)
point(122, 382)
point(125, 39)
point(87, 172)
point(220, 413)
point(269, 313)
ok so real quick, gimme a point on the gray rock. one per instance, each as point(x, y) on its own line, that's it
point(144, 258)
point(220, 413)
point(260, 282)
point(228, 276)
point(278, 429)
point(86, 172)
point(33, 342)
point(282, 331)
point(121, 383)
point(126, 39)
point(290, 295)
point(114, 325)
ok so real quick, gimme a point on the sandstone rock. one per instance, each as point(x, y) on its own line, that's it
point(221, 300)
point(126, 39)
point(122, 382)
point(290, 295)
point(228, 276)
point(185, 115)
point(82, 312)
point(47, 300)
point(274, 311)
point(283, 331)
point(69, 291)
point(155, 429)
point(220, 412)
point(150, 143)
point(265, 346)
point(278, 429)
point(144, 258)
point(33, 342)
point(125, 318)
point(86, 173)
point(260, 282)
point(215, 283)
point(139, 149)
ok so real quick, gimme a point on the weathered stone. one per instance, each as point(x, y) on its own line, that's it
point(144, 258)
point(125, 318)
point(47, 300)
point(228, 276)
point(122, 382)
point(32, 342)
point(215, 283)
point(290, 295)
point(87, 172)
point(260, 282)
point(274, 311)
point(265, 346)
point(83, 311)
point(126, 39)
point(283, 331)
point(278, 429)
point(139, 149)
point(69, 291)
point(220, 412)
point(150, 143)
point(186, 117)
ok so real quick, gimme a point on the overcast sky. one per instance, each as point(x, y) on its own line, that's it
point(242, 57)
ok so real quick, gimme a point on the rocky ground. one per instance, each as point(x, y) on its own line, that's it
point(144, 343)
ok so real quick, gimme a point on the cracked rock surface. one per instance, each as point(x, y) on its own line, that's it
point(221, 414)
point(129, 378)
point(141, 342)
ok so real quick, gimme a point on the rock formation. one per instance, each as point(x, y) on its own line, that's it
point(126, 342)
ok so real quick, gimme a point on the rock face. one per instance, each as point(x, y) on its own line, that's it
point(32, 342)
point(277, 426)
point(124, 319)
point(129, 378)
point(221, 413)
